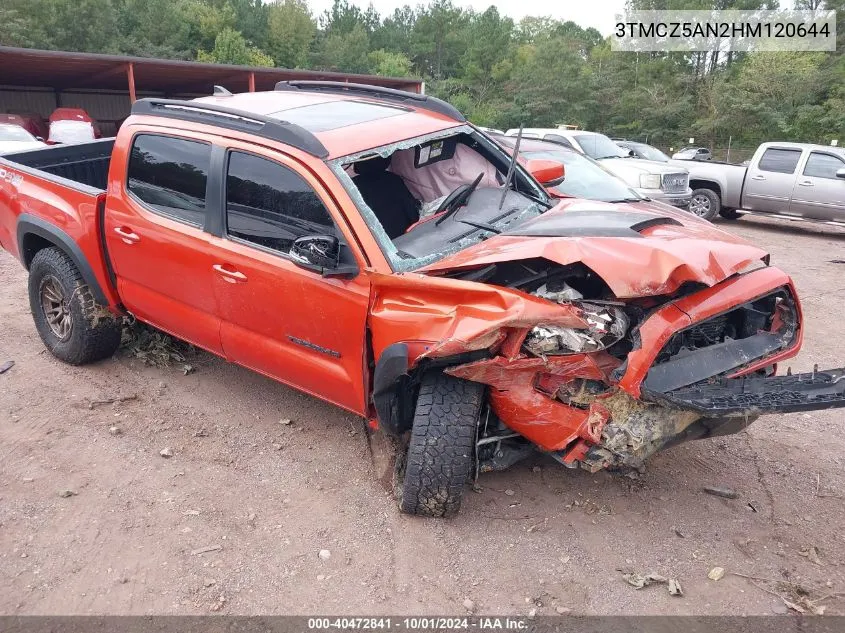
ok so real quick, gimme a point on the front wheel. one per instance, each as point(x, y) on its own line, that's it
point(442, 446)
point(73, 326)
point(705, 203)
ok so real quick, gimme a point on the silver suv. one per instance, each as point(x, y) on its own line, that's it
point(658, 181)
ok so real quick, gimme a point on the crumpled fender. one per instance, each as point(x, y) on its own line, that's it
point(441, 317)
point(547, 422)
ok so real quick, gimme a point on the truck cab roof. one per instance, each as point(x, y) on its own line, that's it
point(345, 118)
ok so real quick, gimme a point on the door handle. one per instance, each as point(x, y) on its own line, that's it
point(232, 276)
point(127, 235)
point(806, 183)
point(758, 177)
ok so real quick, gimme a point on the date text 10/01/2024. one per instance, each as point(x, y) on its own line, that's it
point(418, 623)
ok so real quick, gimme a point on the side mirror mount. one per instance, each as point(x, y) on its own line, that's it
point(840, 173)
point(321, 254)
point(548, 173)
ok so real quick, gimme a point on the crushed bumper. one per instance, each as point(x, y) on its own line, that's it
point(734, 397)
point(594, 411)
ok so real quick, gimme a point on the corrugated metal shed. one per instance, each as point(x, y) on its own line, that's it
point(105, 85)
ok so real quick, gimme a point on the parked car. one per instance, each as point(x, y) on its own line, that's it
point(651, 179)
point(283, 230)
point(72, 125)
point(643, 150)
point(792, 180)
point(692, 153)
point(584, 177)
point(14, 138)
point(32, 123)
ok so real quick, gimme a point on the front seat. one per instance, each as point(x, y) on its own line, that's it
point(387, 195)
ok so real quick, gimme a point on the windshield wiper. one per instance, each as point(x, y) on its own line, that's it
point(481, 225)
point(546, 203)
point(511, 167)
point(626, 200)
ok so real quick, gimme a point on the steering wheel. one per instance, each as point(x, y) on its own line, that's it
point(456, 199)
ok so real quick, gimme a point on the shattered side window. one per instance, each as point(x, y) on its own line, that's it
point(401, 261)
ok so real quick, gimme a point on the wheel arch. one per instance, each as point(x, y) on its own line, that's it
point(396, 379)
point(35, 234)
point(715, 187)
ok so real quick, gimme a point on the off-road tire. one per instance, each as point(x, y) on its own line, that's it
point(706, 202)
point(94, 332)
point(440, 454)
point(730, 214)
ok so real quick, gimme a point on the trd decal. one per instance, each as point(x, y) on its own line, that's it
point(315, 347)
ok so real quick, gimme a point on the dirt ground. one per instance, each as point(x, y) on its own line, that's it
point(267, 496)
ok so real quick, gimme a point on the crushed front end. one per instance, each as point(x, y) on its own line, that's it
point(646, 373)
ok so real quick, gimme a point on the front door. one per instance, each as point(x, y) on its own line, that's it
point(768, 184)
point(287, 322)
point(818, 193)
point(154, 229)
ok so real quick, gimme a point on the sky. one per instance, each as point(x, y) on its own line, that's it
point(599, 14)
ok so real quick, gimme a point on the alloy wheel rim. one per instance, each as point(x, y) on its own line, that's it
point(699, 205)
point(56, 309)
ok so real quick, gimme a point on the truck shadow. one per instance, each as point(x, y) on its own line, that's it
point(786, 227)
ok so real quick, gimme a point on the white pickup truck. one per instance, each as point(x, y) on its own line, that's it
point(791, 180)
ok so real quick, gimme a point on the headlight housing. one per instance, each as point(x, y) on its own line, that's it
point(650, 181)
point(606, 325)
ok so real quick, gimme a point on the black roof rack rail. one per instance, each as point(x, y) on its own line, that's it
point(232, 119)
point(412, 98)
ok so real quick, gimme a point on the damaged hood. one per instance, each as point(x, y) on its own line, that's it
point(638, 249)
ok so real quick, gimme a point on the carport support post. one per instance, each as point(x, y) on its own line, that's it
point(130, 75)
point(252, 82)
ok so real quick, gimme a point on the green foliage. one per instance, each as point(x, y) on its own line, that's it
point(389, 64)
point(540, 71)
point(344, 52)
point(230, 47)
point(290, 31)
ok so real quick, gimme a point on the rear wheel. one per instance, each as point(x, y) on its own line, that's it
point(730, 214)
point(705, 203)
point(440, 453)
point(73, 326)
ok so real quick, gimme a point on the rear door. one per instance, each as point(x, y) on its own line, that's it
point(155, 234)
point(282, 320)
point(769, 182)
point(818, 193)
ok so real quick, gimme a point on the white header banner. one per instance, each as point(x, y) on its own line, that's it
point(725, 31)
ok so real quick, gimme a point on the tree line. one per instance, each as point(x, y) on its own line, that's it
point(538, 71)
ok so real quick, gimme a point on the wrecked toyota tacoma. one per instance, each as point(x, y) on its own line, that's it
point(372, 248)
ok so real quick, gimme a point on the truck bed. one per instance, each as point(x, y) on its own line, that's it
point(56, 196)
point(85, 164)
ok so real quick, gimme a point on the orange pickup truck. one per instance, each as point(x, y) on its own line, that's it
point(374, 249)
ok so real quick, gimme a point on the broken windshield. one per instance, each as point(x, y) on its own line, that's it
point(417, 199)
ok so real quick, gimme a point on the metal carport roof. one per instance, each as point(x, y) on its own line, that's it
point(62, 70)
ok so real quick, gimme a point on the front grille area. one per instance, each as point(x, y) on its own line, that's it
point(740, 323)
point(727, 342)
point(675, 183)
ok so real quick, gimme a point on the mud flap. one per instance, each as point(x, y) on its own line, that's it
point(758, 395)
